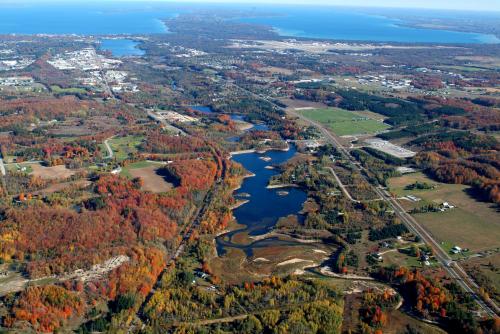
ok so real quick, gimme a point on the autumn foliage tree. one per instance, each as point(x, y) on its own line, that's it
point(45, 308)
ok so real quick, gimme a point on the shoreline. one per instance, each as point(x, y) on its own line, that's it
point(273, 234)
point(238, 204)
point(262, 151)
point(280, 186)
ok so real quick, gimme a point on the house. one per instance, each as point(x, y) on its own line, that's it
point(413, 198)
point(424, 257)
point(447, 205)
point(201, 274)
point(456, 250)
point(116, 171)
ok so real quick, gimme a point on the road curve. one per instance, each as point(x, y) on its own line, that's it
point(108, 148)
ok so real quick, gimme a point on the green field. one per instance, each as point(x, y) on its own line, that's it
point(343, 122)
point(137, 165)
point(400, 259)
point(18, 168)
point(472, 224)
point(123, 146)
point(73, 90)
point(463, 68)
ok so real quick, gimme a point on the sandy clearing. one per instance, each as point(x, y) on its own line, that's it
point(15, 282)
point(327, 271)
point(292, 261)
point(52, 173)
point(261, 259)
point(302, 271)
point(151, 180)
point(319, 251)
point(243, 126)
point(97, 270)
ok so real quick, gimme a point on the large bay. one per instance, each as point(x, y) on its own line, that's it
point(355, 24)
point(114, 18)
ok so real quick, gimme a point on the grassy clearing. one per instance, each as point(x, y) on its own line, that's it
point(20, 167)
point(463, 68)
point(343, 122)
point(372, 115)
point(399, 321)
point(398, 258)
point(472, 224)
point(73, 90)
point(487, 267)
point(137, 165)
point(141, 164)
point(123, 146)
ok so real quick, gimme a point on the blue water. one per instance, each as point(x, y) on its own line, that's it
point(121, 47)
point(353, 24)
point(91, 18)
point(234, 117)
point(109, 18)
point(208, 110)
point(265, 206)
point(203, 109)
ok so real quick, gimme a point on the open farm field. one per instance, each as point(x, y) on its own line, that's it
point(295, 103)
point(72, 127)
point(343, 122)
point(471, 224)
point(51, 173)
point(80, 184)
point(151, 176)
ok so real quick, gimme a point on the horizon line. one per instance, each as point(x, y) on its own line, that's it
point(253, 3)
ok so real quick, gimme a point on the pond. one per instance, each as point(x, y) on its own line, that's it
point(121, 47)
point(265, 206)
point(234, 117)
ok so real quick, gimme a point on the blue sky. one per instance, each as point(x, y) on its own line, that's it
point(476, 5)
point(486, 5)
